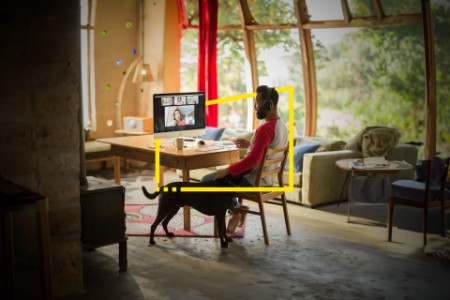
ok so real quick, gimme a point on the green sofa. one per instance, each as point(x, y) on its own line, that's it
point(320, 182)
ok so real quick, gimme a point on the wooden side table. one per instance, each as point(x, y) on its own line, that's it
point(394, 166)
point(12, 198)
point(103, 217)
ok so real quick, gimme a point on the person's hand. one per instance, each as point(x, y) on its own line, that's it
point(221, 173)
point(242, 143)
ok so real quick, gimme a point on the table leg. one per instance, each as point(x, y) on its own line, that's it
point(117, 169)
point(161, 176)
point(353, 174)
point(186, 209)
point(8, 259)
point(44, 248)
point(123, 262)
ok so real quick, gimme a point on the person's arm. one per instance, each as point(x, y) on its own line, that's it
point(263, 137)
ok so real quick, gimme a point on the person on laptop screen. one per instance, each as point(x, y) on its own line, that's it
point(178, 118)
point(272, 133)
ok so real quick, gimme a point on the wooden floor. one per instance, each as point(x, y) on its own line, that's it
point(325, 258)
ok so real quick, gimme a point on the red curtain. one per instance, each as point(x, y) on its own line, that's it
point(207, 54)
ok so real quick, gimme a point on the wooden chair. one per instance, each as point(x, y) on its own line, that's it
point(270, 164)
point(432, 192)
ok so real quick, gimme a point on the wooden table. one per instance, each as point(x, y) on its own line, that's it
point(13, 198)
point(394, 166)
point(142, 148)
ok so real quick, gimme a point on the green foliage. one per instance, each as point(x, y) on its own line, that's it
point(378, 76)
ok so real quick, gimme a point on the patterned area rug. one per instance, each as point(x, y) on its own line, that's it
point(139, 217)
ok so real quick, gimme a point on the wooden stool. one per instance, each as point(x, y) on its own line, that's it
point(12, 198)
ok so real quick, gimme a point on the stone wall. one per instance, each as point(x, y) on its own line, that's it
point(40, 130)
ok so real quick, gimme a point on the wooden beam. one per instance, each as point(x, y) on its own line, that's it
point(346, 11)
point(252, 27)
point(430, 70)
point(378, 9)
point(249, 44)
point(396, 20)
point(308, 67)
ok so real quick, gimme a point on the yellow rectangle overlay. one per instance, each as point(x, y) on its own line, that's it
point(288, 188)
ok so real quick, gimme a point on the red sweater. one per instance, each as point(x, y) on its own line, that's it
point(263, 137)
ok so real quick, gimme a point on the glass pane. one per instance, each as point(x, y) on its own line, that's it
point(401, 7)
point(189, 61)
point(84, 77)
point(279, 65)
point(228, 13)
point(192, 11)
point(361, 8)
point(372, 77)
point(324, 10)
point(231, 79)
point(273, 11)
point(84, 9)
point(441, 22)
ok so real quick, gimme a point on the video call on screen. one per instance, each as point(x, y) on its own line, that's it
point(179, 110)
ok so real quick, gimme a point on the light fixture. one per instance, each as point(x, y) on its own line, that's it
point(143, 73)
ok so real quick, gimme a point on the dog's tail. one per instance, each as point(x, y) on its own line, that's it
point(148, 195)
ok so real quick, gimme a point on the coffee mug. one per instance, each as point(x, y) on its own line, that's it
point(180, 143)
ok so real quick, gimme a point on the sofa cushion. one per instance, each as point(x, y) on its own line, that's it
point(213, 133)
point(297, 179)
point(332, 146)
point(299, 151)
point(94, 150)
point(374, 141)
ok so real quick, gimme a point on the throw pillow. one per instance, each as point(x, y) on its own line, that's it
point(213, 133)
point(299, 152)
point(374, 141)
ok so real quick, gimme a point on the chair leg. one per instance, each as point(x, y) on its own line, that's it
point(443, 221)
point(286, 215)
point(425, 225)
point(216, 226)
point(263, 222)
point(390, 216)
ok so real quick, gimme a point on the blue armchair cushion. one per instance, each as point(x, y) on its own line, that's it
point(413, 190)
point(213, 133)
point(299, 152)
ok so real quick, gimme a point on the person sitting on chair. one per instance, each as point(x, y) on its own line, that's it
point(273, 133)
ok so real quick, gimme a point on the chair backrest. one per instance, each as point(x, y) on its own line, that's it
point(272, 163)
point(436, 172)
point(445, 178)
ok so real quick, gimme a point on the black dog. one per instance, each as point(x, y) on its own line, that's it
point(209, 203)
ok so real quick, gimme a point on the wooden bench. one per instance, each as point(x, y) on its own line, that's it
point(95, 151)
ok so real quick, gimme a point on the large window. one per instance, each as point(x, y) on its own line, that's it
point(365, 76)
point(278, 58)
point(87, 64)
